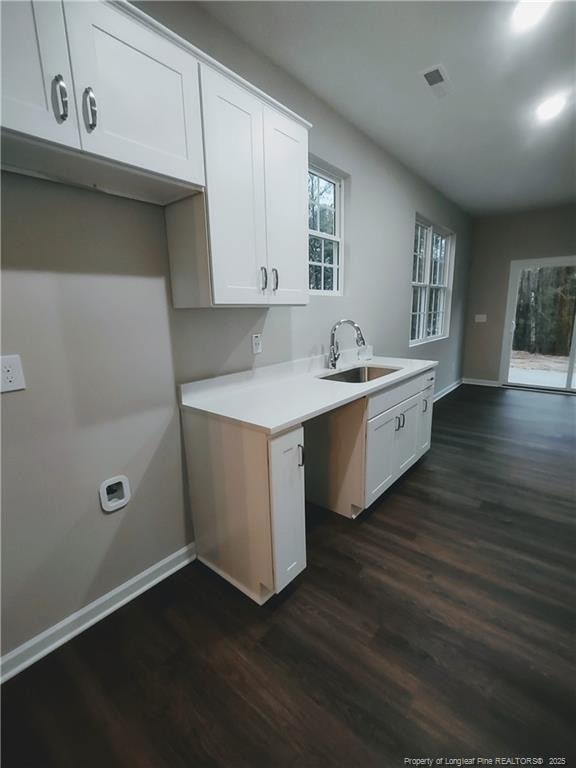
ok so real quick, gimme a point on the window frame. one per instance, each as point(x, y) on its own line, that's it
point(337, 237)
point(446, 286)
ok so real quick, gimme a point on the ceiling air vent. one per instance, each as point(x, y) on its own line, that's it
point(436, 79)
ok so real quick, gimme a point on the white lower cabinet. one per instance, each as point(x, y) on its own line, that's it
point(286, 461)
point(358, 451)
point(392, 445)
point(381, 453)
point(247, 502)
point(427, 404)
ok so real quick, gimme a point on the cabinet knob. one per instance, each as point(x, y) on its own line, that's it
point(300, 455)
point(61, 97)
point(91, 108)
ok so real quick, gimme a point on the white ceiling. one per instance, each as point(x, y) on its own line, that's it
point(481, 144)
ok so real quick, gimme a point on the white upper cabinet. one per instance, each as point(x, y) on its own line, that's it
point(256, 191)
point(37, 94)
point(233, 136)
point(286, 173)
point(137, 93)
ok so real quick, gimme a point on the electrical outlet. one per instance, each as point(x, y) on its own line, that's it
point(12, 374)
point(256, 343)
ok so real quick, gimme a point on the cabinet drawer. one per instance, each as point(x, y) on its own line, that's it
point(394, 395)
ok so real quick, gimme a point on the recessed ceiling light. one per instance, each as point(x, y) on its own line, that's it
point(551, 107)
point(528, 13)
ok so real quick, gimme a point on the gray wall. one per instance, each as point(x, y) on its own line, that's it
point(86, 305)
point(84, 302)
point(382, 197)
point(498, 240)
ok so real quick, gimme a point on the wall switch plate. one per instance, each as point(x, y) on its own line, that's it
point(480, 318)
point(257, 343)
point(12, 373)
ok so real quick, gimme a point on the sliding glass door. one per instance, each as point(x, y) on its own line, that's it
point(540, 337)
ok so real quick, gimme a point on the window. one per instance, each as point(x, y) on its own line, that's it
point(431, 283)
point(324, 241)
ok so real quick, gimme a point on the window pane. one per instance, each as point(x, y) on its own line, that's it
point(312, 186)
point(315, 249)
point(419, 264)
point(419, 300)
point(312, 216)
point(328, 279)
point(414, 327)
point(315, 277)
point(436, 299)
point(437, 276)
point(326, 192)
point(328, 252)
point(327, 220)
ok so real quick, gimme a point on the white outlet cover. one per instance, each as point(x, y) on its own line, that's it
point(112, 501)
point(256, 343)
point(12, 373)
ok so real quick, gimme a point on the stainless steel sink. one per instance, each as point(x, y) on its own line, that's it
point(360, 375)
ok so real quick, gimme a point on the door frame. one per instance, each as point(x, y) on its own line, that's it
point(516, 267)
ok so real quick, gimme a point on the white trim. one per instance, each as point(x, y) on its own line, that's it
point(516, 267)
point(446, 391)
point(428, 340)
point(32, 650)
point(482, 382)
point(447, 287)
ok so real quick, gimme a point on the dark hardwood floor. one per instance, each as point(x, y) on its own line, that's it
point(440, 623)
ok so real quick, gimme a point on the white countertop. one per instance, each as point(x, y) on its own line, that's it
point(276, 397)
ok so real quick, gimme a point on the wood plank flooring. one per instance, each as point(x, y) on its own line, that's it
point(439, 623)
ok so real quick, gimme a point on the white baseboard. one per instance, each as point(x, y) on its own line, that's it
point(53, 637)
point(482, 382)
point(446, 391)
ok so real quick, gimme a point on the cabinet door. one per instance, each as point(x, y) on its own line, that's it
point(287, 506)
point(234, 145)
point(381, 453)
point(137, 93)
point(408, 436)
point(37, 95)
point(427, 403)
point(286, 173)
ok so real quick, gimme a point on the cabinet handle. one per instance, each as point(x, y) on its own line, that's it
point(425, 405)
point(276, 278)
point(92, 108)
point(397, 427)
point(300, 455)
point(403, 420)
point(62, 92)
point(264, 276)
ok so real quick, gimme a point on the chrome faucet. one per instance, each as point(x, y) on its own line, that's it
point(334, 353)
